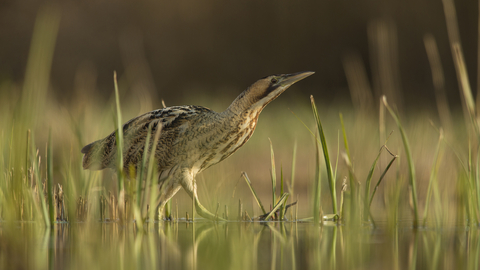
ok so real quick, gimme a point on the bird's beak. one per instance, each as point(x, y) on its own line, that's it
point(289, 79)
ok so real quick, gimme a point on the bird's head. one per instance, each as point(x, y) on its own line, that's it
point(263, 91)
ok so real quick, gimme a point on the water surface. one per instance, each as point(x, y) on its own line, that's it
point(236, 245)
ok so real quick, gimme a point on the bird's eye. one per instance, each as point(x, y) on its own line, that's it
point(274, 80)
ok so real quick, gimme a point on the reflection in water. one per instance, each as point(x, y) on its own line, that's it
point(235, 245)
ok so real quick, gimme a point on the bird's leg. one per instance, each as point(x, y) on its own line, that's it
point(167, 193)
point(191, 189)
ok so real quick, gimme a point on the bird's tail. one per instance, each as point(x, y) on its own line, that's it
point(99, 154)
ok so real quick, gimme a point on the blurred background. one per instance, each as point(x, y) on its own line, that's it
point(57, 60)
point(174, 49)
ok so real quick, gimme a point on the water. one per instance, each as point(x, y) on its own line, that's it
point(236, 245)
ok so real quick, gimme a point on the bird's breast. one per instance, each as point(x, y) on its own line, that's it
point(226, 142)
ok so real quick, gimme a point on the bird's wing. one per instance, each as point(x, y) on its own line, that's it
point(173, 122)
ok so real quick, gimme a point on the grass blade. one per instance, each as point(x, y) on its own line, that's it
point(438, 80)
point(433, 181)
point(277, 206)
point(119, 145)
point(249, 183)
point(331, 178)
point(51, 209)
point(273, 175)
point(354, 196)
point(411, 165)
point(294, 161)
point(140, 198)
point(366, 211)
point(37, 177)
point(466, 91)
point(318, 185)
point(380, 180)
point(151, 173)
point(282, 208)
point(119, 135)
point(477, 180)
point(345, 141)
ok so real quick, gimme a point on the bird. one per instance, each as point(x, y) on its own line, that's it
point(191, 138)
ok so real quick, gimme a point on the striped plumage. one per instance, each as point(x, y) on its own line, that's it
point(192, 138)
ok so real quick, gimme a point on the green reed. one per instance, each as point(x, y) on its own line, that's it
point(411, 164)
point(330, 175)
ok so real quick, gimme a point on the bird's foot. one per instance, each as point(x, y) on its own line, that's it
point(203, 212)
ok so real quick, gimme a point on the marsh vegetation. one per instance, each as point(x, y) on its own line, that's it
point(318, 185)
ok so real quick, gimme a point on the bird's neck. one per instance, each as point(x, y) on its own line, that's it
point(232, 129)
point(242, 104)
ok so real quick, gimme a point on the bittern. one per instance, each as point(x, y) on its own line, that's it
point(191, 139)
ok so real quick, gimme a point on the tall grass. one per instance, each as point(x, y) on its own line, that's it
point(317, 186)
point(249, 183)
point(119, 145)
point(354, 186)
point(49, 183)
point(280, 206)
point(273, 175)
point(411, 164)
point(433, 185)
point(330, 174)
